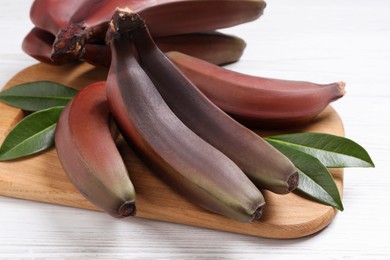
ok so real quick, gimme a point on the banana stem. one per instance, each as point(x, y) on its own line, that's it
point(69, 44)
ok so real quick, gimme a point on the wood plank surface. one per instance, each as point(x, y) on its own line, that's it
point(41, 178)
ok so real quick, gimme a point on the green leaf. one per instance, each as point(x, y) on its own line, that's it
point(333, 151)
point(31, 135)
point(38, 95)
point(315, 180)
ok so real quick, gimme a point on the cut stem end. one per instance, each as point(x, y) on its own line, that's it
point(69, 44)
point(127, 209)
point(292, 182)
point(258, 213)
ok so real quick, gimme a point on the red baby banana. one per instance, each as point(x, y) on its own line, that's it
point(257, 101)
point(196, 169)
point(188, 16)
point(213, 47)
point(263, 164)
point(88, 154)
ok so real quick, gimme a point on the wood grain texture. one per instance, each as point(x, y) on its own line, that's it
point(41, 178)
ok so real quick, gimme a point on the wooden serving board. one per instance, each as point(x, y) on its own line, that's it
point(41, 177)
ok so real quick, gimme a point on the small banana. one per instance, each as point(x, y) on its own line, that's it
point(258, 101)
point(263, 164)
point(200, 172)
point(213, 47)
point(87, 152)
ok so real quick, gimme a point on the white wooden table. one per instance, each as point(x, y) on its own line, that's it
point(321, 41)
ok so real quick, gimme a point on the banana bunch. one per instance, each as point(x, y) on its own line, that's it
point(75, 30)
point(208, 157)
point(185, 116)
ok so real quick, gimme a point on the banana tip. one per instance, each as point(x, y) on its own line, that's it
point(258, 213)
point(292, 182)
point(127, 209)
point(341, 85)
